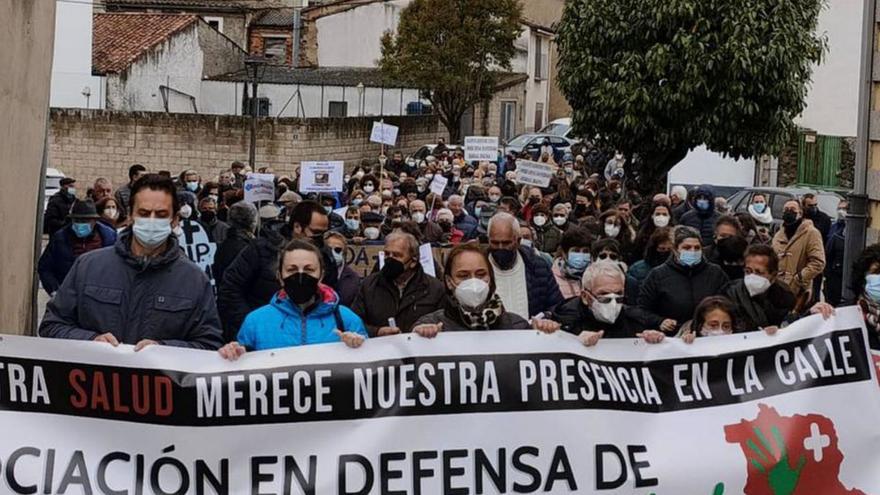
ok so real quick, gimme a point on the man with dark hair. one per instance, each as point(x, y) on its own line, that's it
point(730, 244)
point(123, 194)
point(59, 206)
point(762, 300)
point(251, 280)
point(143, 291)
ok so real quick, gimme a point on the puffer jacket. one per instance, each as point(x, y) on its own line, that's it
point(547, 238)
point(704, 222)
point(380, 299)
point(801, 258)
point(168, 299)
point(673, 291)
point(58, 258)
point(282, 324)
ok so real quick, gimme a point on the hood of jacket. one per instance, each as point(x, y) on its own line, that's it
point(329, 300)
point(123, 249)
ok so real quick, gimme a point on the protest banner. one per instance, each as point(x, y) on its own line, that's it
point(321, 177)
point(384, 134)
point(534, 173)
point(479, 149)
point(198, 245)
point(363, 258)
point(259, 187)
point(466, 412)
point(438, 185)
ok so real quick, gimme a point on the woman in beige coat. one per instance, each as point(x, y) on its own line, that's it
point(801, 252)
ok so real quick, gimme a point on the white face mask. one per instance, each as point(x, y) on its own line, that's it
point(472, 293)
point(369, 188)
point(607, 312)
point(525, 242)
point(111, 213)
point(611, 230)
point(372, 233)
point(661, 220)
point(494, 198)
point(712, 332)
point(152, 232)
point(418, 217)
point(540, 220)
point(559, 221)
point(756, 284)
point(186, 211)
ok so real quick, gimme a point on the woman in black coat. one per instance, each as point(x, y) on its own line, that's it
point(674, 289)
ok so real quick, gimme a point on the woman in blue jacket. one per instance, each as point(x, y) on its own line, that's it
point(304, 312)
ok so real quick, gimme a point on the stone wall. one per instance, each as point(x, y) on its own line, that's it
point(87, 144)
point(788, 163)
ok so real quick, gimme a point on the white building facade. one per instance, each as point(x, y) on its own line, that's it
point(73, 85)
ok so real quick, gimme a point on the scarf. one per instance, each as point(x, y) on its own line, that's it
point(484, 317)
point(765, 218)
point(791, 230)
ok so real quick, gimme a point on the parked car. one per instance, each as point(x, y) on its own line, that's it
point(51, 184)
point(558, 127)
point(531, 143)
point(777, 197)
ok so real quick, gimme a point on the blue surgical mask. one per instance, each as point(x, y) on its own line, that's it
point(760, 207)
point(352, 223)
point(81, 230)
point(328, 209)
point(703, 204)
point(690, 258)
point(152, 232)
point(578, 261)
point(192, 186)
point(872, 287)
point(338, 257)
point(478, 210)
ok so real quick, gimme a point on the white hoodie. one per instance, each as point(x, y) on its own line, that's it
point(765, 218)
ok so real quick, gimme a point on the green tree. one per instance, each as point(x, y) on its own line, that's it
point(452, 50)
point(657, 78)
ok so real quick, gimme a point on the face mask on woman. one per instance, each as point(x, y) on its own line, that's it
point(872, 287)
point(111, 213)
point(300, 287)
point(372, 233)
point(661, 221)
point(540, 220)
point(472, 293)
point(612, 230)
point(759, 207)
point(690, 258)
point(368, 188)
point(186, 211)
point(560, 220)
point(578, 261)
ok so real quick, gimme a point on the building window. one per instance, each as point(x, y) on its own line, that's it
point(542, 58)
point(275, 46)
point(264, 106)
point(214, 22)
point(539, 116)
point(338, 109)
point(508, 120)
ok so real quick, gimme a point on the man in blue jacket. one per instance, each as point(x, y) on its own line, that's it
point(703, 216)
point(141, 291)
point(524, 281)
point(83, 235)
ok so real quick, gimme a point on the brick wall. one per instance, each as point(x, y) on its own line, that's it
point(87, 144)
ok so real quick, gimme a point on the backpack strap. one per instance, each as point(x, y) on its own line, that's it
point(340, 325)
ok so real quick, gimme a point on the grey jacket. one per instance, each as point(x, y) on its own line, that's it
point(167, 299)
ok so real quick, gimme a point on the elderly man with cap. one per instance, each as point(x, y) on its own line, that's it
point(59, 206)
point(288, 201)
point(84, 234)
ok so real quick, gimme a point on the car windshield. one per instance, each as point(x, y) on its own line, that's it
point(521, 140)
point(556, 129)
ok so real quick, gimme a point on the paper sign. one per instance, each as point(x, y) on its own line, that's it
point(480, 149)
point(384, 133)
point(426, 258)
point(533, 173)
point(198, 246)
point(259, 187)
point(320, 177)
point(438, 185)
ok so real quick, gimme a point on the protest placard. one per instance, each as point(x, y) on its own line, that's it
point(384, 133)
point(259, 187)
point(534, 173)
point(318, 177)
point(478, 149)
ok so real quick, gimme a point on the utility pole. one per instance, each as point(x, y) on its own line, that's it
point(857, 216)
point(254, 65)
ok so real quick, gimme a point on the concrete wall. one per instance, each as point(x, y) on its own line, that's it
point(352, 38)
point(91, 144)
point(224, 98)
point(220, 54)
point(26, 34)
point(176, 63)
point(72, 58)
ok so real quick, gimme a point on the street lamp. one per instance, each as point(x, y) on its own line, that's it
point(87, 92)
point(360, 90)
point(255, 65)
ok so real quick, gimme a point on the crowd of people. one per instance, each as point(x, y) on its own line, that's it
point(586, 255)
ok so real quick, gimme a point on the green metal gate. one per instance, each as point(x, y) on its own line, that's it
point(819, 160)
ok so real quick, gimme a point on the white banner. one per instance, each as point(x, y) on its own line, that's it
point(478, 149)
point(259, 187)
point(321, 177)
point(198, 246)
point(534, 173)
point(475, 412)
point(384, 133)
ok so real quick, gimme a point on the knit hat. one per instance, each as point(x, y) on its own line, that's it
point(242, 215)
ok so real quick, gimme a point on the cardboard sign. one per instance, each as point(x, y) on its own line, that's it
point(534, 173)
point(426, 258)
point(384, 133)
point(480, 149)
point(259, 187)
point(198, 246)
point(438, 185)
point(319, 177)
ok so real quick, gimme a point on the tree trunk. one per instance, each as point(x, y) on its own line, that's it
point(651, 171)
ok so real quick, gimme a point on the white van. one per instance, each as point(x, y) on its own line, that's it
point(51, 184)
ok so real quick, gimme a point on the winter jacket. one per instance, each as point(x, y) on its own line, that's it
point(467, 225)
point(569, 286)
point(168, 299)
point(431, 232)
point(57, 210)
point(673, 291)
point(703, 221)
point(282, 324)
point(227, 251)
point(576, 317)
point(217, 230)
point(764, 310)
point(823, 223)
point(543, 291)
point(348, 285)
point(834, 250)
point(801, 258)
point(547, 238)
point(379, 299)
point(58, 257)
point(452, 321)
point(123, 201)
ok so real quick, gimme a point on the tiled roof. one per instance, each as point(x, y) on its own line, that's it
point(189, 4)
point(275, 17)
point(119, 39)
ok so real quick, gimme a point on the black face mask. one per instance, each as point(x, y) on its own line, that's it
point(789, 218)
point(392, 269)
point(656, 258)
point(811, 211)
point(505, 258)
point(301, 287)
point(732, 248)
point(208, 216)
point(446, 226)
point(318, 240)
